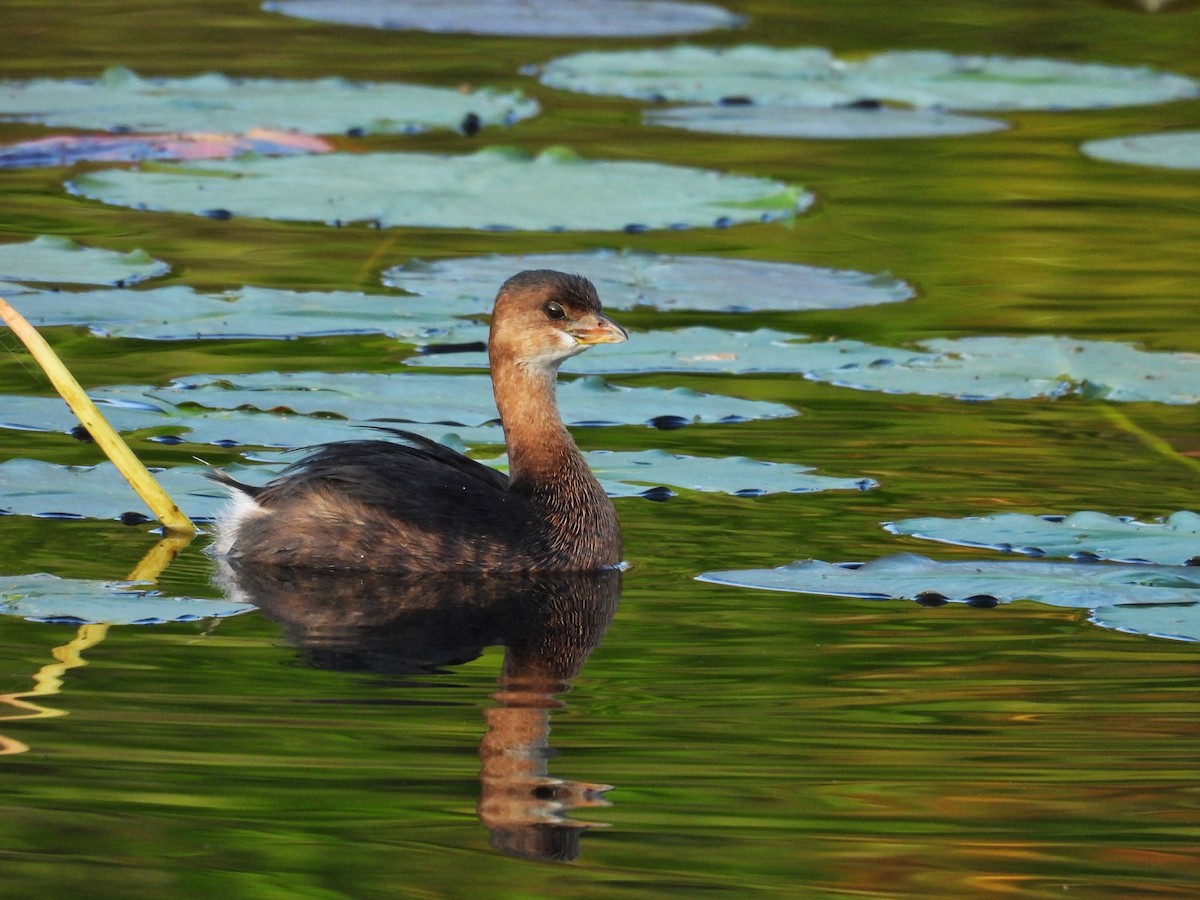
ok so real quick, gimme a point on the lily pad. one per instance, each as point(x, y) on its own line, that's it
point(121, 101)
point(524, 18)
point(68, 149)
point(629, 279)
point(703, 349)
point(447, 399)
point(853, 122)
point(183, 313)
point(1163, 601)
point(990, 368)
point(35, 488)
point(1086, 535)
point(58, 260)
point(814, 77)
point(491, 189)
point(628, 474)
point(1170, 150)
point(48, 598)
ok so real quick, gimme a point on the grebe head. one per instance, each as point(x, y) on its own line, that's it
point(542, 317)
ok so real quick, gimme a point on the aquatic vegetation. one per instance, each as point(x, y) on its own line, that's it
point(1174, 541)
point(855, 121)
point(120, 100)
point(814, 77)
point(1163, 601)
point(1169, 149)
point(68, 149)
point(58, 260)
point(530, 18)
point(629, 279)
point(496, 188)
point(74, 601)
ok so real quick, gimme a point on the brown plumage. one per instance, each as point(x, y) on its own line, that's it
point(417, 506)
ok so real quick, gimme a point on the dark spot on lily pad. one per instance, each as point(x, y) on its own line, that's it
point(737, 100)
point(220, 215)
point(471, 124)
point(930, 598)
point(82, 435)
point(668, 423)
point(658, 494)
point(982, 601)
point(133, 518)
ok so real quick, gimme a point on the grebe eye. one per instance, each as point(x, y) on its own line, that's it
point(555, 311)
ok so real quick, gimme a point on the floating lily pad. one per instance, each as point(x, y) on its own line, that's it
point(1163, 601)
point(811, 76)
point(626, 280)
point(703, 349)
point(68, 149)
point(35, 488)
point(628, 474)
point(854, 122)
point(59, 260)
point(121, 101)
point(47, 598)
point(222, 427)
point(448, 399)
point(528, 18)
point(978, 368)
point(1170, 150)
point(491, 189)
point(989, 368)
point(182, 313)
point(1087, 535)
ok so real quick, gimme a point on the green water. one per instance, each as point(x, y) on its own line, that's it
point(759, 743)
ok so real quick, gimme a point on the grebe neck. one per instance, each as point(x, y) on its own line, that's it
point(540, 449)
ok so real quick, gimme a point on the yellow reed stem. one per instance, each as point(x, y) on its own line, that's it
point(138, 476)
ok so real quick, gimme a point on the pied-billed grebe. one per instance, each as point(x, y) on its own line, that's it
point(418, 506)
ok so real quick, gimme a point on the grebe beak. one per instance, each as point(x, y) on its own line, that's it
point(604, 331)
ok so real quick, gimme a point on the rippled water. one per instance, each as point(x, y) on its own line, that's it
point(758, 743)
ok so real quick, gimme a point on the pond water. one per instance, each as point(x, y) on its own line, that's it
point(756, 742)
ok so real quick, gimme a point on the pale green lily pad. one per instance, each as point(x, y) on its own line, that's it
point(1169, 150)
point(1163, 601)
point(48, 598)
point(1085, 535)
point(977, 368)
point(521, 18)
point(812, 76)
point(709, 350)
point(448, 399)
point(855, 122)
point(121, 101)
point(628, 474)
point(990, 368)
point(490, 189)
point(183, 313)
point(35, 488)
point(58, 260)
point(223, 427)
point(628, 279)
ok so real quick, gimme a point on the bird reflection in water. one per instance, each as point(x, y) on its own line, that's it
point(405, 624)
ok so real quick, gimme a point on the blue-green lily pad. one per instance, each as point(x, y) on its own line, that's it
point(121, 101)
point(854, 122)
point(35, 488)
point(1163, 601)
point(812, 76)
point(522, 18)
point(990, 368)
point(630, 279)
point(1086, 535)
point(183, 313)
point(58, 260)
point(1170, 150)
point(628, 474)
point(976, 368)
point(48, 598)
point(703, 349)
point(490, 189)
point(448, 399)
